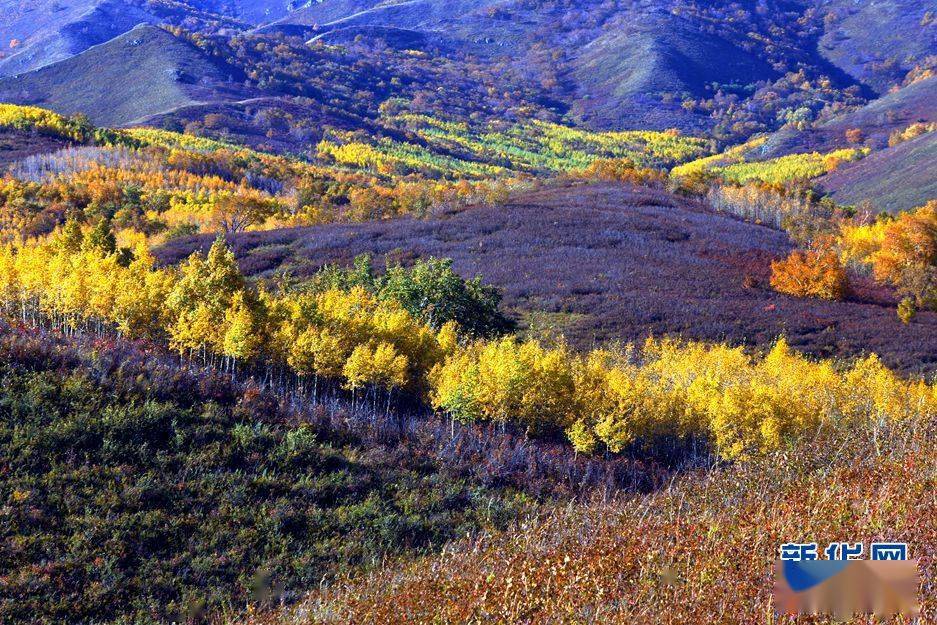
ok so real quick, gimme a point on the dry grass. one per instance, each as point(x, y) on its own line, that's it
point(699, 551)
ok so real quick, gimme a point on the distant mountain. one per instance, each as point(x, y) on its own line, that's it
point(878, 41)
point(722, 68)
point(38, 34)
point(609, 63)
point(140, 73)
point(253, 11)
point(331, 14)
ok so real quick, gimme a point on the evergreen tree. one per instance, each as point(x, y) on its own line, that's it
point(101, 238)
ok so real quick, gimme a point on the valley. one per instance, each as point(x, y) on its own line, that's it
point(499, 311)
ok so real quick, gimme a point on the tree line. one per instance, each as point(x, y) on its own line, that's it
point(427, 333)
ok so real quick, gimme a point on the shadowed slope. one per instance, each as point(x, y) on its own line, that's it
point(617, 72)
point(146, 71)
point(48, 32)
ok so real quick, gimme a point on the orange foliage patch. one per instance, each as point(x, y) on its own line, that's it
point(810, 274)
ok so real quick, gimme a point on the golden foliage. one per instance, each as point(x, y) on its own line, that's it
point(744, 405)
point(907, 258)
point(810, 274)
point(611, 399)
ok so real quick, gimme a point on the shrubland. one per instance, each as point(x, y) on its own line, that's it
point(137, 489)
point(383, 339)
point(701, 548)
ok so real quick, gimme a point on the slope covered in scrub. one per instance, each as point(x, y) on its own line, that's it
point(137, 488)
point(605, 262)
point(621, 75)
point(894, 179)
point(703, 546)
point(874, 122)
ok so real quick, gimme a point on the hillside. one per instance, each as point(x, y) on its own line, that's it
point(464, 312)
point(876, 120)
point(16, 145)
point(47, 32)
point(605, 262)
point(147, 71)
point(878, 42)
point(146, 491)
point(654, 65)
point(621, 75)
point(609, 65)
point(893, 180)
point(667, 551)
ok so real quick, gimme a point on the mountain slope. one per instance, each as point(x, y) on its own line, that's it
point(877, 42)
point(146, 71)
point(895, 179)
point(49, 32)
point(876, 120)
point(621, 74)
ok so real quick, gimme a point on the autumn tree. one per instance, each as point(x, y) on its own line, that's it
point(244, 328)
point(201, 297)
point(101, 238)
point(70, 237)
point(810, 274)
point(908, 255)
point(235, 213)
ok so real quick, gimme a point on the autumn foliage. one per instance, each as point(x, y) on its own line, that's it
point(697, 551)
point(369, 341)
point(638, 398)
point(907, 258)
point(810, 274)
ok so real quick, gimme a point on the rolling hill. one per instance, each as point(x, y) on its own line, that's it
point(146, 71)
point(607, 262)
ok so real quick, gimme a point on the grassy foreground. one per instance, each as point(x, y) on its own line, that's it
point(699, 551)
